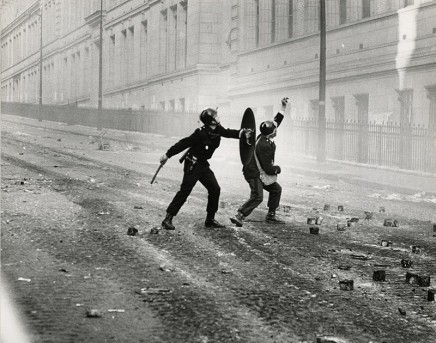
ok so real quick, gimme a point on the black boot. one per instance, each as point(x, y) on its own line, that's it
point(272, 218)
point(211, 222)
point(237, 219)
point(168, 222)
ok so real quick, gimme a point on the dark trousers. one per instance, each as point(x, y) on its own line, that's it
point(256, 196)
point(200, 171)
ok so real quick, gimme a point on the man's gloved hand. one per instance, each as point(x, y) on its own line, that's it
point(163, 159)
point(278, 170)
point(284, 102)
point(247, 133)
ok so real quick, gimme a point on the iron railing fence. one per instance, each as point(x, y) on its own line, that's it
point(411, 147)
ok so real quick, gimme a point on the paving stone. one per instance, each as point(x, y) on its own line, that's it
point(416, 249)
point(311, 220)
point(420, 280)
point(379, 275)
point(406, 263)
point(132, 231)
point(340, 227)
point(314, 230)
point(385, 243)
point(93, 313)
point(346, 285)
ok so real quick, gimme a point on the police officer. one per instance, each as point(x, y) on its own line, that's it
point(264, 151)
point(202, 144)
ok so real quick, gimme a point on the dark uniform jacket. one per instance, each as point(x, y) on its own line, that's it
point(203, 142)
point(265, 152)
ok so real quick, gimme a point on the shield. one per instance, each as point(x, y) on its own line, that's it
point(246, 146)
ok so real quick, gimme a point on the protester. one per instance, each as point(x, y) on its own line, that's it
point(261, 172)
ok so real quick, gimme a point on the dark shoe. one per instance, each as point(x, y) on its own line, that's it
point(213, 223)
point(272, 218)
point(167, 223)
point(237, 219)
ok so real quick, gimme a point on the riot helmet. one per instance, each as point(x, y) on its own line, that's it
point(267, 128)
point(209, 116)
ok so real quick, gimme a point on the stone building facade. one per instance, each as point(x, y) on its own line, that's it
point(184, 55)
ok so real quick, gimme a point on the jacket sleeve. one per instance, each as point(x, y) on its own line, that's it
point(184, 143)
point(265, 155)
point(228, 133)
point(278, 118)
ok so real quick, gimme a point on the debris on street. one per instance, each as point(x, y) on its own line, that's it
point(93, 313)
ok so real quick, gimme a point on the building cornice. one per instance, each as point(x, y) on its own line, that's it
point(163, 78)
point(32, 10)
point(249, 89)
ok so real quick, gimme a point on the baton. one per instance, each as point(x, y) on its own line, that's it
point(157, 171)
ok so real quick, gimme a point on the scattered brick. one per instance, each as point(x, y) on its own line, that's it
point(382, 209)
point(314, 230)
point(420, 280)
point(340, 227)
point(326, 207)
point(354, 220)
point(311, 220)
point(391, 222)
point(341, 208)
point(402, 312)
point(416, 249)
point(326, 339)
point(286, 208)
point(430, 294)
point(94, 313)
point(379, 275)
point(155, 230)
point(350, 223)
point(360, 257)
point(346, 285)
point(385, 243)
point(368, 215)
point(406, 263)
point(318, 220)
point(132, 231)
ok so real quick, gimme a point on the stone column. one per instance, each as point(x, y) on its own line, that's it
point(137, 51)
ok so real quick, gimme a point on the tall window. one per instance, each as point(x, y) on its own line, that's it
point(163, 41)
point(123, 53)
point(366, 8)
point(143, 47)
point(257, 25)
point(111, 60)
point(172, 38)
point(131, 54)
point(291, 19)
point(342, 12)
point(183, 34)
point(273, 21)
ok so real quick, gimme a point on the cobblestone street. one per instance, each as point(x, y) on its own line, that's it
point(66, 208)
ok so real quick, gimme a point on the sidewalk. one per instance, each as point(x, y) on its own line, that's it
point(403, 180)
